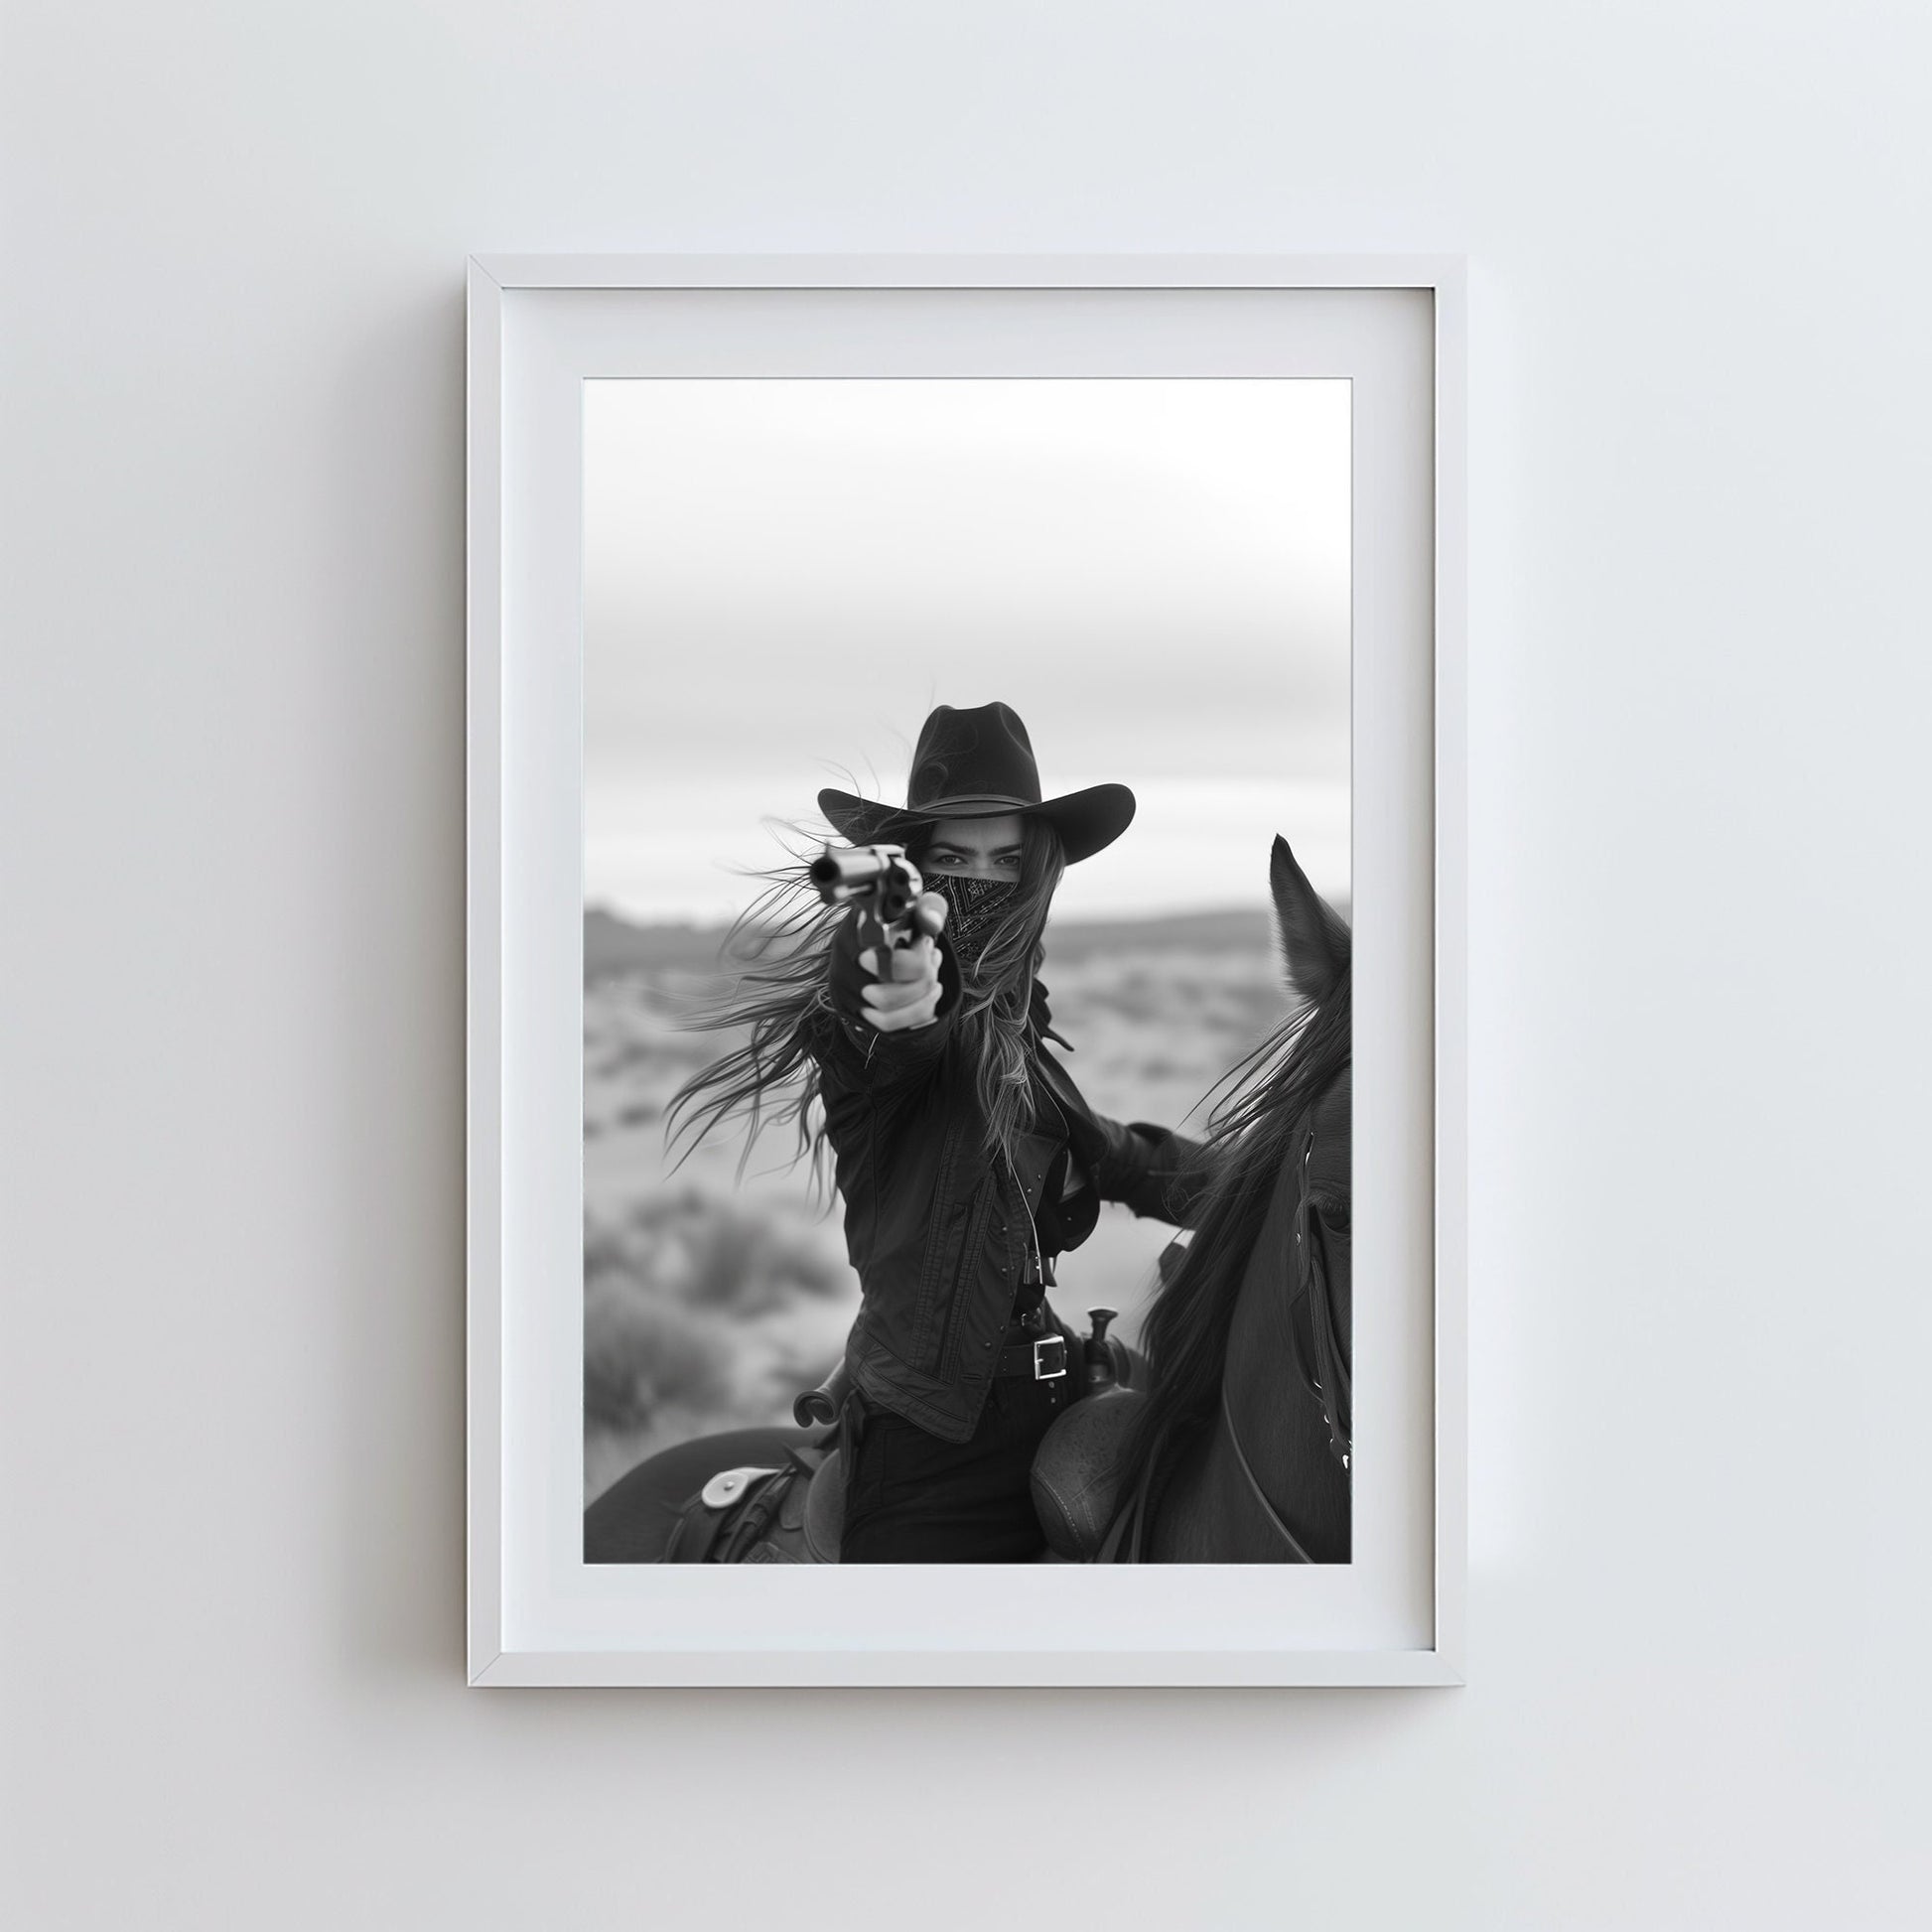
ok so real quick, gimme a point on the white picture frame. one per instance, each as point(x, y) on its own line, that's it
point(540, 324)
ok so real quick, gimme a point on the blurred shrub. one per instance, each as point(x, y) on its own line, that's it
point(701, 1311)
point(737, 1256)
point(660, 1286)
point(643, 1355)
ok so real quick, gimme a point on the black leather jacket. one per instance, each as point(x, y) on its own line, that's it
point(936, 1225)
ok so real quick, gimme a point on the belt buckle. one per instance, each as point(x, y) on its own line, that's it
point(1040, 1372)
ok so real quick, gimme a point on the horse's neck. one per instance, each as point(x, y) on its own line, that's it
point(1202, 1516)
point(1209, 1512)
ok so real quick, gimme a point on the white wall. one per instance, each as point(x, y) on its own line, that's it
point(231, 1076)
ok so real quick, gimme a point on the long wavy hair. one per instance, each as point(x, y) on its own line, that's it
point(774, 960)
point(1252, 1129)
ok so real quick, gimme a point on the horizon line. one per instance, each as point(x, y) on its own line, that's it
point(693, 924)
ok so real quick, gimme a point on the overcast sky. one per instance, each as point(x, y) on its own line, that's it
point(782, 577)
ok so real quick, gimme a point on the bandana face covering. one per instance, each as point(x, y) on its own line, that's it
point(972, 905)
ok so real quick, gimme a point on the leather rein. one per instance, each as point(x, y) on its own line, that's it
point(1267, 1509)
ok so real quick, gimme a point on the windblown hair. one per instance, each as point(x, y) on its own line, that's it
point(1252, 1131)
point(775, 958)
point(775, 986)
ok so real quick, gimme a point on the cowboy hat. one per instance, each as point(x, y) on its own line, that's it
point(979, 763)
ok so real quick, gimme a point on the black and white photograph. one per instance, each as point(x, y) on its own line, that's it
point(967, 962)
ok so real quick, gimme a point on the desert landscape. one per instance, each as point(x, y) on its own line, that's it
point(712, 1293)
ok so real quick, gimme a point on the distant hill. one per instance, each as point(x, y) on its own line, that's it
point(615, 945)
point(612, 944)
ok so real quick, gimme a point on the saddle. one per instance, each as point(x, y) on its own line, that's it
point(789, 1514)
point(1076, 1474)
point(793, 1512)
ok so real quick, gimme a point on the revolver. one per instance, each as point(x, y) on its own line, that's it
point(885, 885)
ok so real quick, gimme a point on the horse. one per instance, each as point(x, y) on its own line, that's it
point(1239, 1450)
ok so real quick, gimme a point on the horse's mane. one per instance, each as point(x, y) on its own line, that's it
point(1250, 1136)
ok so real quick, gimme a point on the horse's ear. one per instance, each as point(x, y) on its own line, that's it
point(1315, 941)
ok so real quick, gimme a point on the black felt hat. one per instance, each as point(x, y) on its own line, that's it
point(979, 763)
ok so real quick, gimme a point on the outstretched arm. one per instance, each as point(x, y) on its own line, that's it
point(1159, 1173)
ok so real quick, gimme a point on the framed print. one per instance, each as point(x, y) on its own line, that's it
point(966, 1000)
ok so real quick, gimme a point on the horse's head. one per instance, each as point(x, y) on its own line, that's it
point(1317, 951)
point(1249, 1340)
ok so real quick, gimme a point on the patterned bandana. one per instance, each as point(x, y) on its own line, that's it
point(972, 905)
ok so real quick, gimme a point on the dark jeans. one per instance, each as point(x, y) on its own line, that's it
point(911, 1498)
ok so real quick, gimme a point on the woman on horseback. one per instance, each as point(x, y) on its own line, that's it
point(967, 1159)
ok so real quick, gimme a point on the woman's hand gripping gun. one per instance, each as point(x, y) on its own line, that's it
point(897, 923)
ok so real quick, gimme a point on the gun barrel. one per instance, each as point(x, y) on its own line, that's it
point(881, 875)
point(853, 866)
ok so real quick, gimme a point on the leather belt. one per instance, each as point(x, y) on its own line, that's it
point(1044, 1360)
